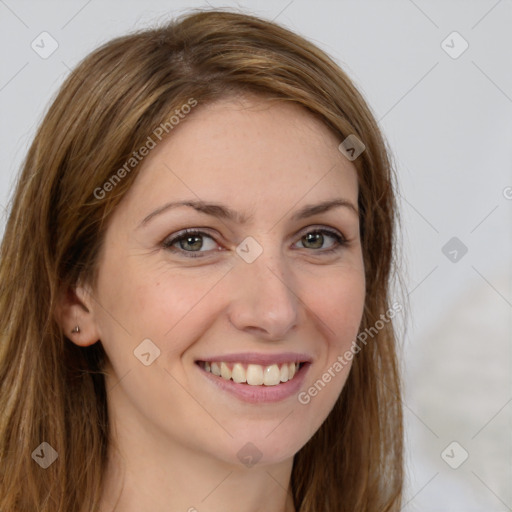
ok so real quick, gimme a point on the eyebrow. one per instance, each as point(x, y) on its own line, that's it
point(224, 212)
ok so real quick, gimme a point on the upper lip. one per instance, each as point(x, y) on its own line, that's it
point(259, 358)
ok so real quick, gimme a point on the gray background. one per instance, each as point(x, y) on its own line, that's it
point(449, 123)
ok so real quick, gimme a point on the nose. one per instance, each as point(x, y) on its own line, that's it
point(263, 300)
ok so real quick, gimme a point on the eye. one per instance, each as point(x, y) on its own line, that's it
point(315, 240)
point(190, 241)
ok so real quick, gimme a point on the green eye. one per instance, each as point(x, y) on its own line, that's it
point(317, 238)
point(193, 243)
point(188, 241)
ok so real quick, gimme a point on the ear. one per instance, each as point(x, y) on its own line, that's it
point(74, 308)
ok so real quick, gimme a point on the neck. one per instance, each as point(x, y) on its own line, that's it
point(139, 480)
point(147, 471)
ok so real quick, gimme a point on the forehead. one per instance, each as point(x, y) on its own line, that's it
point(247, 151)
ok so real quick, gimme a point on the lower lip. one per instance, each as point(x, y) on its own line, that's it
point(260, 394)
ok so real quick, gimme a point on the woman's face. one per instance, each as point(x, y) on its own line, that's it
point(261, 284)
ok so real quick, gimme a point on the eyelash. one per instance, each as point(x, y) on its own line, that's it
point(340, 241)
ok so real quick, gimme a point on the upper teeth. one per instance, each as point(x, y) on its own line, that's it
point(254, 374)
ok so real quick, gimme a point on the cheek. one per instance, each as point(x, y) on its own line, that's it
point(161, 303)
point(326, 380)
point(174, 301)
point(339, 303)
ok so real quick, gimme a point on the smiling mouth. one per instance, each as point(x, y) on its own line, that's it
point(252, 374)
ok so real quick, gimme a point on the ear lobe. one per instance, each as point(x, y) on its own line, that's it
point(75, 316)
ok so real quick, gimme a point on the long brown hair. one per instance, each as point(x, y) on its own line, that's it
point(54, 391)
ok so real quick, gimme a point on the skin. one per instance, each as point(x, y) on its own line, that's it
point(175, 436)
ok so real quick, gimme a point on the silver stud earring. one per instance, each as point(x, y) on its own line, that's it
point(75, 330)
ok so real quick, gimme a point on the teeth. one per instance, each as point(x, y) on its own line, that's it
point(215, 369)
point(271, 375)
point(284, 373)
point(254, 374)
point(225, 372)
point(238, 373)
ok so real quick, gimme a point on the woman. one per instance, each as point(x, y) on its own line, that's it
point(195, 284)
